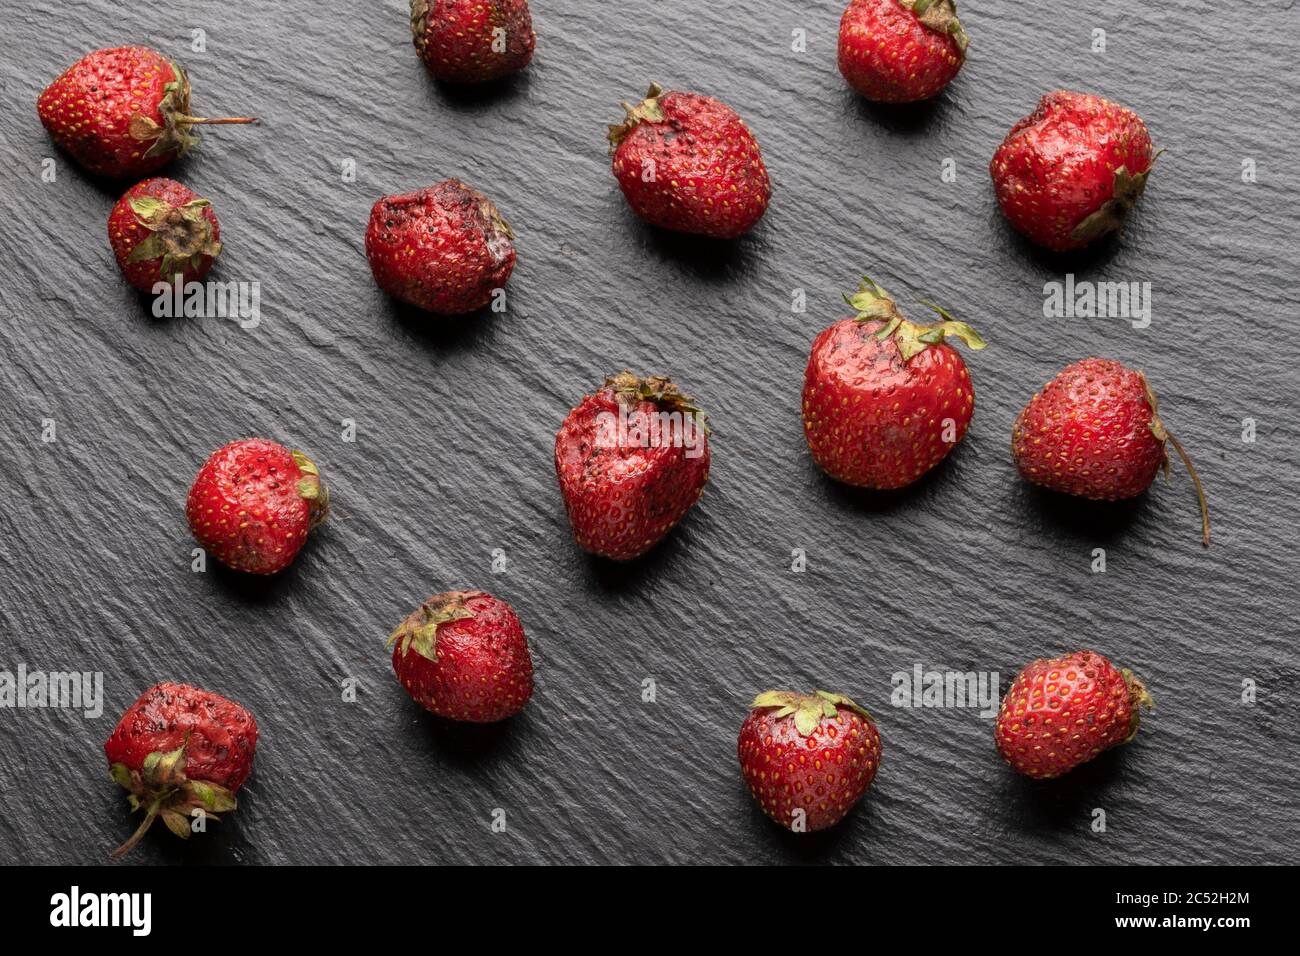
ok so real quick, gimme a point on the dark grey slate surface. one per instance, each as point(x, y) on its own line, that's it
point(455, 423)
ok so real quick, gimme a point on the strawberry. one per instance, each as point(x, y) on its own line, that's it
point(631, 460)
point(444, 249)
point(885, 400)
point(900, 51)
point(253, 503)
point(160, 229)
point(1062, 712)
point(814, 753)
point(689, 163)
point(1094, 431)
point(179, 749)
point(1070, 172)
point(470, 41)
point(463, 655)
point(123, 112)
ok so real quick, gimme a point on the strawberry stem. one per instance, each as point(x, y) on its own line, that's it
point(139, 833)
point(1200, 490)
point(218, 121)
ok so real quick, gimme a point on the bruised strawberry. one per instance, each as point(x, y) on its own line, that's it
point(900, 51)
point(808, 758)
point(631, 460)
point(1063, 712)
point(689, 163)
point(444, 249)
point(1070, 172)
point(181, 752)
point(253, 503)
point(161, 229)
point(463, 655)
point(123, 112)
point(470, 41)
point(1094, 431)
point(885, 400)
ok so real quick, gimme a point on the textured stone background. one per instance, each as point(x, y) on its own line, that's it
point(971, 569)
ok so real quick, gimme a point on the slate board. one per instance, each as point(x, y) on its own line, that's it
point(970, 570)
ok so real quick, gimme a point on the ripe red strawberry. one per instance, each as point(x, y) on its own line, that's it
point(1062, 712)
point(1071, 172)
point(885, 400)
point(688, 162)
point(813, 753)
point(469, 41)
point(123, 112)
point(900, 51)
point(631, 459)
point(178, 749)
point(1094, 431)
point(444, 249)
point(253, 503)
point(463, 655)
point(160, 229)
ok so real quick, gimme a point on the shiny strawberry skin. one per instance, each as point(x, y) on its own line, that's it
point(253, 504)
point(1063, 712)
point(1089, 433)
point(220, 736)
point(824, 773)
point(444, 249)
point(709, 177)
point(622, 501)
point(126, 232)
point(88, 109)
point(1057, 166)
point(888, 55)
point(455, 38)
point(874, 420)
point(482, 671)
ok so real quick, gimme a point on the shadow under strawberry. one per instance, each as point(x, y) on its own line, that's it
point(1082, 518)
point(902, 119)
point(935, 481)
point(265, 589)
point(464, 744)
point(1090, 259)
point(702, 256)
point(481, 97)
point(444, 333)
point(1063, 803)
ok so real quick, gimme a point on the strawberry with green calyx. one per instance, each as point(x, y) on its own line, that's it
point(625, 488)
point(254, 503)
point(177, 750)
point(123, 112)
point(808, 758)
point(689, 163)
point(886, 399)
point(463, 655)
point(1064, 711)
point(1095, 431)
point(1072, 171)
point(160, 229)
point(901, 51)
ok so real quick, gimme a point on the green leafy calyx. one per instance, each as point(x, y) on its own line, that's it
point(941, 17)
point(161, 789)
point(874, 304)
point(175, 136)
point(658, 390)
point(647, 111)
point(179, 236)
point(808, 709)
point(419, 632)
